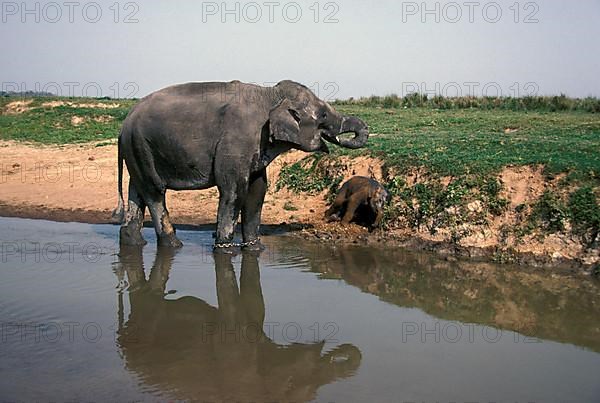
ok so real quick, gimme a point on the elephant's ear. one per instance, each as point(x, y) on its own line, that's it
point(284, 123)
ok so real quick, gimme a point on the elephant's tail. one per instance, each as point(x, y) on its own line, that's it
point(118, 214)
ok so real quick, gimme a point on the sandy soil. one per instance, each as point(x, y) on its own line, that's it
point(79, 183)
point(82, 179)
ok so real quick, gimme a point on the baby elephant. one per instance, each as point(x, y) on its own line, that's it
point(360, 199)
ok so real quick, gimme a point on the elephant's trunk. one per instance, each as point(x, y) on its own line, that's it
point(351, 124)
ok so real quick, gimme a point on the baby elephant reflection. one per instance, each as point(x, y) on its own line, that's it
point(361, 200)
point(190, 349)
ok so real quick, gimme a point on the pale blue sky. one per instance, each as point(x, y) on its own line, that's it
point(370, 50)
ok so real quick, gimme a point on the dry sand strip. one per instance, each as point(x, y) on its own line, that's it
point(79, 183)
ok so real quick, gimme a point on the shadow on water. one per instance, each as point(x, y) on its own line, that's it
point(533, 302)
point(189, 348)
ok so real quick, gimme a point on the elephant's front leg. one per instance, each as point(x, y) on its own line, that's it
point(353, 203)
point(335, 212)
point(230, 201)
point(251, 210)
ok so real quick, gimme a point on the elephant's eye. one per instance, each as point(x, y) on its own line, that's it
point(324, 115)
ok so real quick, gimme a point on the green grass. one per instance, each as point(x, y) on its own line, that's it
point(473, 141)
point(312, 175)
point(527, 103)
point(48, 125)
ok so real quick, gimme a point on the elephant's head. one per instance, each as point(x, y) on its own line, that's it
point(304, 121)
point(380, 198)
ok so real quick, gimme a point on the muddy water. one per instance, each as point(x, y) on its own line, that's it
point(82, 320)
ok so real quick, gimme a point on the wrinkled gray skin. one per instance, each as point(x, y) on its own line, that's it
point(200, 135)
point(356, 193)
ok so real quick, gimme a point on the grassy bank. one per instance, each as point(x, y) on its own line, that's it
point(457, 142)
point(50, 120)
point(443, 167)
point(442, 158)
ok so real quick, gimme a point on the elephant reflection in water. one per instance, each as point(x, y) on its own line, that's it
point(193, 350)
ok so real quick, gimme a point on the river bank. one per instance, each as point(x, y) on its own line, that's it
point(78, 183)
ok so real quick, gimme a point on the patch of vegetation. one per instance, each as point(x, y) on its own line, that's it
point(490, 191)
point(584, 212)
point(549, 213)
point(312, 175)
point(431, 205)
point(460, 142)
point(424, 204)
point(527, 103)
point(68, 123)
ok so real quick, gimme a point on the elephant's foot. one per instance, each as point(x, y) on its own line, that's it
point(131, 237)
point(169, 241)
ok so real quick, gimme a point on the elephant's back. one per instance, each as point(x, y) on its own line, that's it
point(226, 92)
point(175, 130)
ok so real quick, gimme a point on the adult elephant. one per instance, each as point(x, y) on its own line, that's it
point(200, 135)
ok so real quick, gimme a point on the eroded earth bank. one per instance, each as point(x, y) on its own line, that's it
point(78, 183)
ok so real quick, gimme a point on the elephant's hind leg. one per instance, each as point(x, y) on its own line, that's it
point(131, 230)
point(165, 232)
